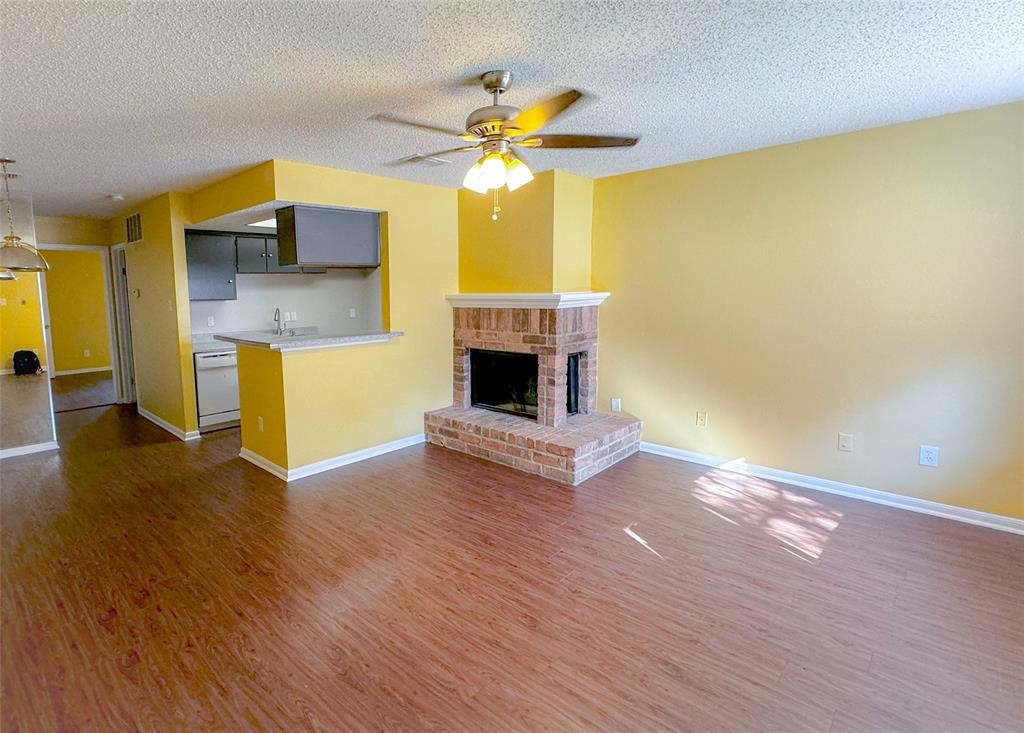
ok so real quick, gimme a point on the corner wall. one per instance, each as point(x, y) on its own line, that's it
point(158, 301)
point(869, 283)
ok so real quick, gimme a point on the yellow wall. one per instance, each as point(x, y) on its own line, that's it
point(250, 187)
point(72, 230)
point(21, 320)
point(261, 394)
point(161, 331)
point(513, 254)
point(870, 283)
point(76, 292)
point(573, 219)
point(540, 243)
point(342, 400)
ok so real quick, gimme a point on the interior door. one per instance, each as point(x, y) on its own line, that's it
point(251, 255)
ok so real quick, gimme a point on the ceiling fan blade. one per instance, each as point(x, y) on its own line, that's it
point(422, 157)
point(432, 128)
point(576, 141)
point(536, 116)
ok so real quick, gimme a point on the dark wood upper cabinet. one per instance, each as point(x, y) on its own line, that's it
point(274, 259)
point(322, 237)
point(252, 254)
point(210, 259)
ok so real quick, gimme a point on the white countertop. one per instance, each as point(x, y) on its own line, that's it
point(305, 342)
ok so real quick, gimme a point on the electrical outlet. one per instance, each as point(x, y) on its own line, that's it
point(211, 321)
point(295, 316)
point(845, 442)
point(616, 404)
point(351, 312)
point(702, 419)
point(87, 353)
point(928, 455)
point(3, 301)
point(259, 423)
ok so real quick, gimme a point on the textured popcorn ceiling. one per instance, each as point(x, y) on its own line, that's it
point(149, 97)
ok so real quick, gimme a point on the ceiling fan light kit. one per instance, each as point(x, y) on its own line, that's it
point(16, 255)
point(498, 129)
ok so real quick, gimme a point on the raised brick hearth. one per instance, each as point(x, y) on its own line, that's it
point(563, 447)
point(570, 454)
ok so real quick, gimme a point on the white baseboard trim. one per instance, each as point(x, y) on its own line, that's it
point(11, 371)
point(910, 503)
point(24, 450)
point(310, 469)
point(172, 429)
point(87, 370)
point(269, 466)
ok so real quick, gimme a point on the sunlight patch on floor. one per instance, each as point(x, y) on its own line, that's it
point(632, 533)
point(800, 523)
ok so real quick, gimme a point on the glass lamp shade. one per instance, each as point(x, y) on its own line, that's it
point(20, 256)
point(7, 275)
point(492, 171)
point(473, 180)
point(518, 174)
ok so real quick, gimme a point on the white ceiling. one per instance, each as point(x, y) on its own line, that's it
point(148, 97)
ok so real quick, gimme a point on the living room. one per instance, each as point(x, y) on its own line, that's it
point(685, 389)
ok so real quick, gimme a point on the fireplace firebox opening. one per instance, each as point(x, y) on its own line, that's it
point(504, 381)
point(572, 385)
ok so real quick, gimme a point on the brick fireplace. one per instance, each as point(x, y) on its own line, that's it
point(548, 425)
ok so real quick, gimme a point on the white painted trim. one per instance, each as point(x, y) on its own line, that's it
point(875, 496)
point(259, 461)
point(74, 247)
point(172, 429)
point(87, 370)
point(42, 370)
point(326, 465)
point(526, 300)
point(23, 450)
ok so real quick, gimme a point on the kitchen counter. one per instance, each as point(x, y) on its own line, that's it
point(204, 346)
point(305, 342)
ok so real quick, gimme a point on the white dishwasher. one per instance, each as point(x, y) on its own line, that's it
point(217, 387)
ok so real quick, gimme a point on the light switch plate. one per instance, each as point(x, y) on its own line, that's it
point(616, 404)
point(845, 443)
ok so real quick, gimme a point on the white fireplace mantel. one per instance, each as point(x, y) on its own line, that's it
point(526, 300)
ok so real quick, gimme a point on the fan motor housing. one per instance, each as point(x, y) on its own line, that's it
point(491, 120)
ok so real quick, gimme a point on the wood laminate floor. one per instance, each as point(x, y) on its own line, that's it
point(78, 391)
point(154, 585)
point(25, 417)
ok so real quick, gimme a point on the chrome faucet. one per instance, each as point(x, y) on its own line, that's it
point(279, 329)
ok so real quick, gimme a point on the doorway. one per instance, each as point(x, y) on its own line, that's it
point(79, 328)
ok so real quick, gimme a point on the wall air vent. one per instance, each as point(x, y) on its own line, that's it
point(133, 227)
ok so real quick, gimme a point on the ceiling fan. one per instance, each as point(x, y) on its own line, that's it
point(499, 130)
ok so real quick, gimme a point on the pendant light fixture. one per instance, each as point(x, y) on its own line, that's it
point(16, 255)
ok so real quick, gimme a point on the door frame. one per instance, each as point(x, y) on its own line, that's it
point(108, 288)
point(122, 315)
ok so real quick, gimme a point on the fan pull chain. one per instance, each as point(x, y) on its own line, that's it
point(494, 212)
